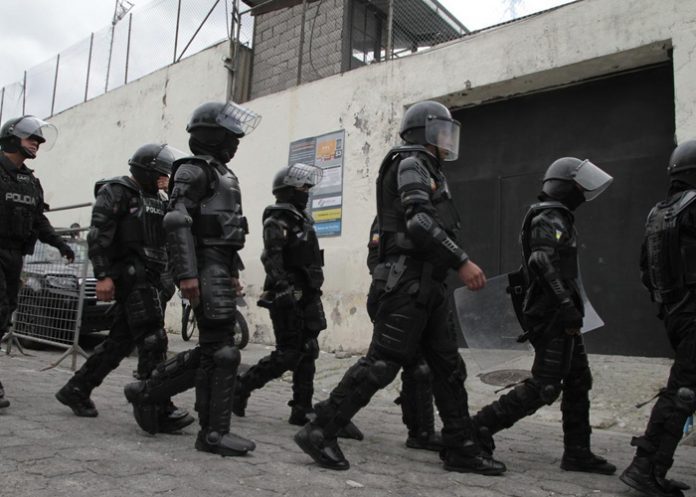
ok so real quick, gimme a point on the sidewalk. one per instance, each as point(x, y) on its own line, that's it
point(47, 451)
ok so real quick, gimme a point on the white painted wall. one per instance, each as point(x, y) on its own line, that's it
point(580, 40)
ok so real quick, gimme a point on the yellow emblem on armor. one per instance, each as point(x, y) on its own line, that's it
point(559, 234)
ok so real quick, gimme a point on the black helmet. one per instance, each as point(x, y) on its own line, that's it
point(430, 122)
point(17, 128)
point(152, 161)
point(573, 181)
point(288, 183)
point(683, 158)
point(216, 128)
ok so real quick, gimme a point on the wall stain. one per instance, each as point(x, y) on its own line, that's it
point(336, 315)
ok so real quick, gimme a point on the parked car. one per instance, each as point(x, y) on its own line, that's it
point(48, 299)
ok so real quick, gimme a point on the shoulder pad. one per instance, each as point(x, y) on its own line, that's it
point(193, 159)
point(282, 208)
point(402, 150)
point(686, 198)
point(124, 181)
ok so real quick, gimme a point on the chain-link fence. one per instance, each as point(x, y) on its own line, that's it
point(314, 39)
point(160, 33)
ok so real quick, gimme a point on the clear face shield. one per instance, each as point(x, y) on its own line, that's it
point(238, 119)
point(165, 159)
point(591, 179)
point(444, 134)
point(32, 126)
point(300, 175)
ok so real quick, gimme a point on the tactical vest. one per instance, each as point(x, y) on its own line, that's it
point(19, 200)
point(390, 213)
point(219, 221)
point(671, 258)
point(140, 231)
point(567, 253)
point(301, 253)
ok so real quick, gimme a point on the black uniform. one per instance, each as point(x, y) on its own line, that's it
point(553, 313)
point(418, 245)
point(668, 270)
point(127, 244)
point(22, 222)
point(416, 396)
point(293, 263)
point(205, 229)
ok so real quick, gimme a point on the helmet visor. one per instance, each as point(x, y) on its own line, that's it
point(444, 134)
point(300, 175)
point(32, 126)
point(591, 179)
point(237, 119)
point(165, 159)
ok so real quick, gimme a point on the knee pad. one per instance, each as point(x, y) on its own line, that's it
point(421, 371)
point(227, 357)
point(686, 400)
point(382, 373)
point(548, 391)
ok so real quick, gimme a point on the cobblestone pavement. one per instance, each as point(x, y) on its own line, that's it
point(47, 451)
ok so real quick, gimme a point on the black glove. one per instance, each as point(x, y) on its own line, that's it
point(569, 315)
point(67, 252)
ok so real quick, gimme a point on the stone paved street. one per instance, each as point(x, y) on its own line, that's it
point(47, 451)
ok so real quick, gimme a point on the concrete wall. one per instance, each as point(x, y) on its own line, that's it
point(578, 41)
point(277, 46)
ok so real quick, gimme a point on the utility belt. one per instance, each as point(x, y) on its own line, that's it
point(209, 226)
point(395, 269)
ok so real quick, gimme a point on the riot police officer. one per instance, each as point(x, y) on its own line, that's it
point(418, 245)
point(292, 292)
point(669, 274)
point(205, 229)
point(416, 396)
point(127, 248)
point(553, 312)
point(22, 219)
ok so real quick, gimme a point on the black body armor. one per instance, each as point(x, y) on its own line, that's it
point(428, 236)
point(21, 210)
point(549, 247)
point(669, 267)
point(302, 260)
point(137, 231)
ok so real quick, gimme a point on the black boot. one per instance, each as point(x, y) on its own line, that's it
point(325, 452)
point(426, 441)
point(300, 415)
point(640, 476)
point(78, 400)
point(470, 459)
point(3, 401)
point(578, 458)
point(172, 419)
point(485, 439)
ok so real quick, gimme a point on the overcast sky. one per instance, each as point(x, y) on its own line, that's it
point(33, 31)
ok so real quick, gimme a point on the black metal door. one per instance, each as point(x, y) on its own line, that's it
point(624, 124)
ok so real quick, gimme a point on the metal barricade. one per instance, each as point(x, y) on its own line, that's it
point(57, 299)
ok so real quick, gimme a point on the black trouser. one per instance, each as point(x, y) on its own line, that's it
point(215, 315)
point(296, 329)
point(673, 407)
point(10, 272)
point(138, 321)
point(560, 365)
point(410, 320)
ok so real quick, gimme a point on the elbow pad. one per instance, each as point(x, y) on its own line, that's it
point(180, 244)
point(425, 232)
point(541, 264)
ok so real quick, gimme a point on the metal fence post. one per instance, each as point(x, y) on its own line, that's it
point(390, 30)
point(302, 36)
point(130, 23)
point(89, 64)
point(55, 84)
point(24, 94)
point(2, 102)
point(176, 31)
